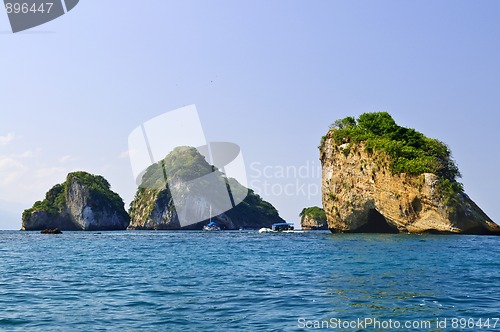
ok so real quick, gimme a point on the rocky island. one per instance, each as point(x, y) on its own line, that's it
point(381, 177)
point(313, 218)
point(154, 208)
point(83, 202)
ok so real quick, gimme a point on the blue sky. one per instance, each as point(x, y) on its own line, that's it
point(268, 75)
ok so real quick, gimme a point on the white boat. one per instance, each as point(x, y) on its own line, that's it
point(211, 226)
point(282, 227)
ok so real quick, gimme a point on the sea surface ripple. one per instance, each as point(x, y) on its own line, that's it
point(245, 281)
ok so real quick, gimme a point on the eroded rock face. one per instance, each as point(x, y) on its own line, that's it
point(310, 224)
point(360, 194)
point(83, 202)
point(88, 213)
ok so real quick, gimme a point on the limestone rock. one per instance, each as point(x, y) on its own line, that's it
point(154, 208)
point(83, 202)
point(361, 192)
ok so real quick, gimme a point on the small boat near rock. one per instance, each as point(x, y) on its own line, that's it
point(282, 227)
point(212, 225)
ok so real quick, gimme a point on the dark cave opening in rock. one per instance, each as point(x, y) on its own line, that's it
point(376, 224)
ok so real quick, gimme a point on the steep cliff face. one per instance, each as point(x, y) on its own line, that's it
point(83, 202)
point(363, 191)
point(313, 218)
point(154, 206)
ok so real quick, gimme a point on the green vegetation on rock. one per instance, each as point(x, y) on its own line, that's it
point(99, 189)
point(410, 151)
point(55, 199)
point(252, 208)
point(184, 162)
point(313, 212)
point(52, 204)
point(313, 218)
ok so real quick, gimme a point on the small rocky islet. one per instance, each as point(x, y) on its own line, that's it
point(313, 218)
point(377, 177)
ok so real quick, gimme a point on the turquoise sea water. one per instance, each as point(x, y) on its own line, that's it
point(164, 281)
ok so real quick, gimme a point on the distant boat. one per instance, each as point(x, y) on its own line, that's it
point(211, 226)
point(284, 227)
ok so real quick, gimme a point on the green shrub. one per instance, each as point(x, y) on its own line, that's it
point(313, 212)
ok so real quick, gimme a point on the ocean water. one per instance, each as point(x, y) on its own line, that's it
point(245, 281)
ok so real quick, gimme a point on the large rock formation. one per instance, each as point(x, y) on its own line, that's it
point(200, 188)
point(313, 218)
point(380, 177)
point(83, 202)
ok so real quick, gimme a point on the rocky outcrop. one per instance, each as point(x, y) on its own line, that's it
point(83, 202)
point(363, 192)
point(155, 207)
point(51, 231)
point(313, 218)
